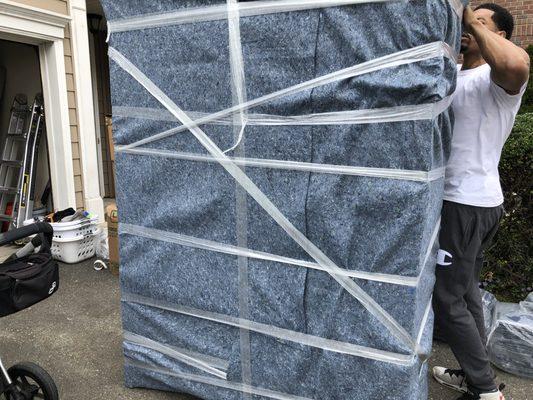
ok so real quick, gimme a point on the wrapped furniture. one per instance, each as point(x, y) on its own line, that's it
point(279, 169)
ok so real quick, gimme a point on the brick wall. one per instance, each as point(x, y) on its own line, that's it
point(522, 10)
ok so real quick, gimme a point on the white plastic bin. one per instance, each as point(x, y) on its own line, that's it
point(72, 229)
point(75, 249)
point(75, 229)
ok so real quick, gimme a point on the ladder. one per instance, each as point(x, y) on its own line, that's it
point(19, 160)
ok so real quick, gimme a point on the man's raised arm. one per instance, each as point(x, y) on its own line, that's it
point(509, 63)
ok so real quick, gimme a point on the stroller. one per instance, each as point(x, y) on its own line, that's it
point(27, 277)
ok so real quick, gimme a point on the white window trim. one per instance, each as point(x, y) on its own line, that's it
point(32, 25)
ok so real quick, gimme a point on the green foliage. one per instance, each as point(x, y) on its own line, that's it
point(508, 266)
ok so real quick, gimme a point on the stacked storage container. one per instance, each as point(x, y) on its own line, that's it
point(74, 241)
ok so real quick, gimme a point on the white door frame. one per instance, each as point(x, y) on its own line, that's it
point(46, 29)
point(81, 56)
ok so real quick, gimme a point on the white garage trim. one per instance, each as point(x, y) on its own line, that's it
point(32, 25)
point(81, 56)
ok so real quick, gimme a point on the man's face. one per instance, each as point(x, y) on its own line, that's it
point(468, 41)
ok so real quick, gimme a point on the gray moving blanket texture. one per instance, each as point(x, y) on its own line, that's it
point(314, 281)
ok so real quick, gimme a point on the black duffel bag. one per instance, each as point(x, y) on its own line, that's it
point(27, 277)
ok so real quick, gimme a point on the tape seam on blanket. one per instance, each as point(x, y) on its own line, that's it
point(432, 241)
point(246, 9)
point(174, 353)
point(238, 92)
point(274, 331)
point(418, 112)
point(385, 173)
point(209, 245)
point(409, 56)
point(262, 200)
point(425, 319)
point(236, 386)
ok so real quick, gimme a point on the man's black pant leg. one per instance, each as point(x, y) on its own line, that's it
point(465, 232)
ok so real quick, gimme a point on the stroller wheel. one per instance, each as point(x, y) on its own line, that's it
point(32, 382)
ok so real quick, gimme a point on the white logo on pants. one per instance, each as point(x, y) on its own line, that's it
point(441, 258)
point(52, 288)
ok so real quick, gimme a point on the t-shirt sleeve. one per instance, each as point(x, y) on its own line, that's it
point(505, 99)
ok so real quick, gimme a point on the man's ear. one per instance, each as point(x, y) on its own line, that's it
point(502, 34)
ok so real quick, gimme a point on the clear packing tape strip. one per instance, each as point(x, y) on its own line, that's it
point(352, 117)
point(209, 245)
point(276, 332)
point(386, 173)
point(245, 9)
point(238, 89)
point(233, 12)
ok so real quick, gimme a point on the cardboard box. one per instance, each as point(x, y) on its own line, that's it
point(111, 217)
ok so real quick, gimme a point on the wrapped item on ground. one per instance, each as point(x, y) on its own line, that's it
point(279, 169)
point(510, 341)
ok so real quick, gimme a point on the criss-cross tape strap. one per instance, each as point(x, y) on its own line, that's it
point(209, 245)
point(409, 56)
point(185, 356)
point(238, 89)
point(386, 173)
point(351, 287)
point(416, 112)
point(245, 9)
point(274, 331)
point(207, 380)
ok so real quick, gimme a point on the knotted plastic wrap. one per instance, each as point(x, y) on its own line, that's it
point(279, 175)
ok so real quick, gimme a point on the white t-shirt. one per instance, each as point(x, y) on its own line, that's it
point(484, 117)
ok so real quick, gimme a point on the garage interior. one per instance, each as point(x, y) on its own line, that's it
point(25, 189)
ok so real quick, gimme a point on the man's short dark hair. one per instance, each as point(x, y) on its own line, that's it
point(501, 17)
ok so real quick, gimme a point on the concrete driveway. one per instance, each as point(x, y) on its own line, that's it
point(76, 336)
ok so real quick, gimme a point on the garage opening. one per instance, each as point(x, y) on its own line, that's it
point(25, 187)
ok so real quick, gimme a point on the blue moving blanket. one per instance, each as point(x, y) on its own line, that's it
point(325, 294)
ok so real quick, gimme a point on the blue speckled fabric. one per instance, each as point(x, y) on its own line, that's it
point(361, 223)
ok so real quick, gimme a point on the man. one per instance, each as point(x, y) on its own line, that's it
point(490, 86)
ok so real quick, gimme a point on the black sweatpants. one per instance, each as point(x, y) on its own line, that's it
point(466, 231)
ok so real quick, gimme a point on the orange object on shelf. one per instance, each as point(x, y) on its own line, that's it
point(9, 211)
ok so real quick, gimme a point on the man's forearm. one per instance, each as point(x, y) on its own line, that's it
point(508, 62)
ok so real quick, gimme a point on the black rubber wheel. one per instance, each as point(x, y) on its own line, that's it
point(33, 382)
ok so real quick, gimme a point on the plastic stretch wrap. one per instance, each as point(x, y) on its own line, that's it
point(510, 340)
point(291, 154)
point(527, 304)
point(489, 304)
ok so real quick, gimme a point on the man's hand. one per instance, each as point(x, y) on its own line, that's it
point(469, 19)
point(509, 63)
